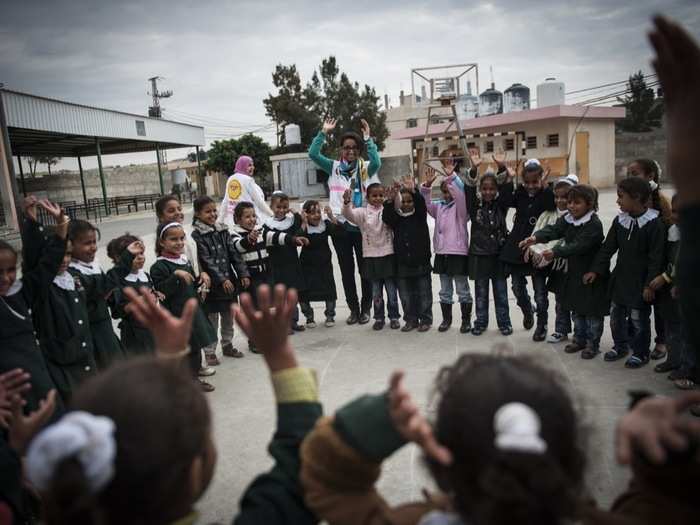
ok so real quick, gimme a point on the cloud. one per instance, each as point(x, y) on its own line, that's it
point(218, 56)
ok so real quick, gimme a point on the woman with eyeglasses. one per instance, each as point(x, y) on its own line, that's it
point(349, 172)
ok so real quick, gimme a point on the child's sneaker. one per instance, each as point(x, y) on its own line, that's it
point(378, 325)
point(477, 330)
point(423, 327)
point(394, 324)
point(310, 324)
point(589, 353)
point(252, 349)
point(229, 351)
point(206, 371)
point(212, 360)
point(506, 330)
point(574, 347)
point(206, 387)
point(296, 327)
point(556, 337)
point(330, 322)
point(636, 361)
point(615, 354)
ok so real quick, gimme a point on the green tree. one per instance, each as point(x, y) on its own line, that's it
point(223, 154)
point(644, 109)
point(329, 93)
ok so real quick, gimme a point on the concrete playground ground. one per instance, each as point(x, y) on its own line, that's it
point(353, 360)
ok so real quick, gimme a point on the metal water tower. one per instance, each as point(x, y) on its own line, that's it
point(490, 102)
point(516, 98)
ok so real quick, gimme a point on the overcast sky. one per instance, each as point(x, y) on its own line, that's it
point(217, 56)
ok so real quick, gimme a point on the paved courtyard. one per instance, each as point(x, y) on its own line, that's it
point(352, 360)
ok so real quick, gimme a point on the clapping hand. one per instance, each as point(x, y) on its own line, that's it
point(411, 424)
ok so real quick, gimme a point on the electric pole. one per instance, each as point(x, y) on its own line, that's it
point(154, 110)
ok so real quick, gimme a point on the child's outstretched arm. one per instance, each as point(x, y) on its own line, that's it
point(276, 496)
point(342, 456)
point(375, 162)
point(355, 215)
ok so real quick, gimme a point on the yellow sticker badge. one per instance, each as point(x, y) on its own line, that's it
point(234, 190)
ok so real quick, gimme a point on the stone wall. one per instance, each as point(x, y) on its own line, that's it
point(120, 181)
point(630, 146)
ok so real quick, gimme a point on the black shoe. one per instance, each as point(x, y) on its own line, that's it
point(378, 325)
point(410, 325)
point(354, 318)
point(664, 367)
point(466, 309)
point(298, 327)
point(252, 349)
point(394, 324)
point(423, 327)
point(574, 347)
point(528, 319)
point(477, 330)
point(446, 317)
point(364, 318)
point(507, 330)
point(540, 334)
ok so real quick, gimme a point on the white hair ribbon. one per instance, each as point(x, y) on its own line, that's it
point(88, 438)
point(168, 226)
point(517, 428)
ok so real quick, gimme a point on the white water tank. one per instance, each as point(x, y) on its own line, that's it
point(550, 93)
point(292, 134)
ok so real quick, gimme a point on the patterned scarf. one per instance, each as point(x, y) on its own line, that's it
point(350, 170)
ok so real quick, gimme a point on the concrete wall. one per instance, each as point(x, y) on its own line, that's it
point(121, 181)
point(631, 146)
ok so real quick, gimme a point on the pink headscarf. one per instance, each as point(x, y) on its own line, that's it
point(242, 164)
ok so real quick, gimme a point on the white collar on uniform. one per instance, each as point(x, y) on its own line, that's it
point(64, 281)
point(319, 228)
point(15, 288)
point(138, 277)
point(280, 225)
point(92, 268)
point(626, 220)
point(561, 213)
point(177, 260)
point(578, 222)
point(674, 234)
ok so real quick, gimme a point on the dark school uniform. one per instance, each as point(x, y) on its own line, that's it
point(489, 232)
point(527, 210)
point(582, 240)
point(411, 238)
point(136, 338)
point(19, 345)
point(219, 258)
point(98, 289)
point(284, 258)
point(316, 262)
point(639, 244)
point(177, 292)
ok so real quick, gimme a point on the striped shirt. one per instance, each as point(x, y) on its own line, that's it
point(256, 255)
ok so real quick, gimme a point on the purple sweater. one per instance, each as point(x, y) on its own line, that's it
point(450, 236)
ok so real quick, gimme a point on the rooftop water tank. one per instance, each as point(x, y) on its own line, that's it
point(292, 134)
point(467, 104)
point(490, 102)
point(550, 93)
point(516, 98)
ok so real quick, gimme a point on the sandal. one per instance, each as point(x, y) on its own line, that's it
point(589, 353)
point(685, 384)
point(636, 362)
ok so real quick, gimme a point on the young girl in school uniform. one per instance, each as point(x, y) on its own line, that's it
point(174, 277)
point(128, 254)
point(450, 243)
point(316, 262)
point(18, 338)
point(98, 290)
point(379, 265)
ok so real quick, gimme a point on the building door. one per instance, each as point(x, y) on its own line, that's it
point(582, 161)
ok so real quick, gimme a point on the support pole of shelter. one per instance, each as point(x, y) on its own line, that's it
point(202, 190)
point(21, 175)
point(160, 171)
point(82, 186)
point(102, 175)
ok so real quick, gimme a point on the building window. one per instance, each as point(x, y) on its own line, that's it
point(471, 145)
point(489, 146)
point(436, 151)
point(532, 143)
point(510, 144)
point(412, 123)
point(140, 128)
point(553, 140)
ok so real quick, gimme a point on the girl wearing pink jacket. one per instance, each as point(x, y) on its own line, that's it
point(450, 244)
point(379, 266)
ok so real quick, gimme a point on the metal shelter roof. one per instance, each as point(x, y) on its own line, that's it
point(44, 126)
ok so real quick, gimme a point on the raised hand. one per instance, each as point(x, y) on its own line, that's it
point(475, 157)
point(29, 207)
point(390, 193)
point(329, 125)
point(347, 196)
point(409, 183)
point(23, 428)
point(267, 327)
point(499, 158)
point(135, 248)
point(546, 171)
point(52, 209)
point(411, 424)
point(365, 129)
point(655, 426)
point(170, 334)
point(429, 175)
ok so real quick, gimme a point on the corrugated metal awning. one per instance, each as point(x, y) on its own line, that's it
point(43, 126)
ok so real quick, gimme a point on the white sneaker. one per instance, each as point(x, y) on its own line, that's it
point(310, 324)
point(556, 337)
point(206, 371)
point(330, 323)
